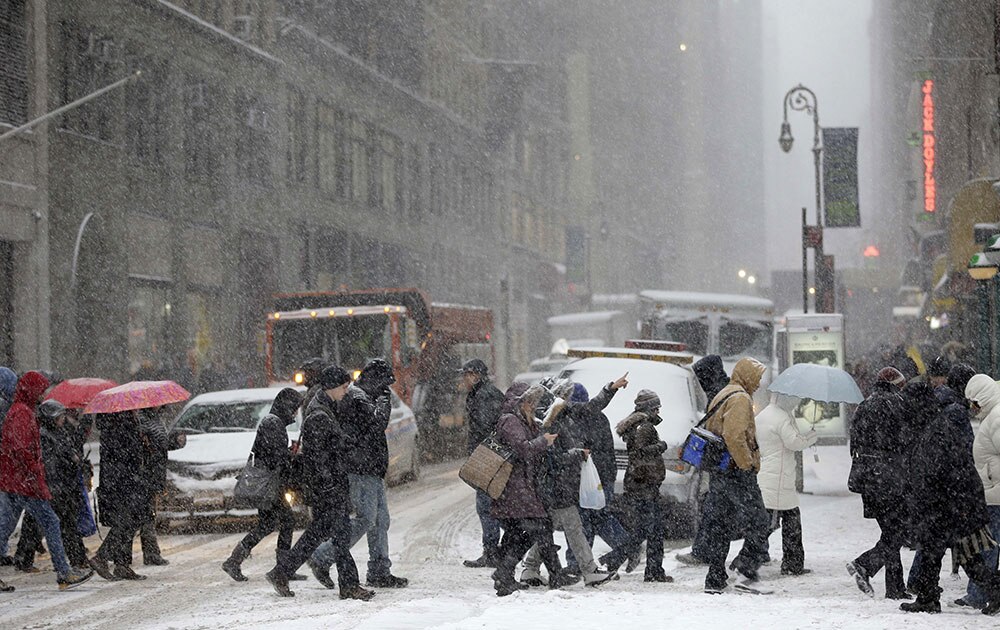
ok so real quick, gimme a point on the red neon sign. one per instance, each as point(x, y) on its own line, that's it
point(930, 184)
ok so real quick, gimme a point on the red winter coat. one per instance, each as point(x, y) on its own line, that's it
point(21, 469)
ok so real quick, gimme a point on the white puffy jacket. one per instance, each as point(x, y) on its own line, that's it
point(985, 392)
point(778, 439)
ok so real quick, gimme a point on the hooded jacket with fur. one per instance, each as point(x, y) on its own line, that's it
point(984, 391)
point(22, 470)
point(734, 420)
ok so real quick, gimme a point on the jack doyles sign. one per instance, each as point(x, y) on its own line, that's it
point(821, 348)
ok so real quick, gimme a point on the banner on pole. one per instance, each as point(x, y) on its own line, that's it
point(840, 177)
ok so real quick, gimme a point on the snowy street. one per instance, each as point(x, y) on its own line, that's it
point(433, 529)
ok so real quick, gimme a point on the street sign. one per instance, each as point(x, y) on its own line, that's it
point(840, 177)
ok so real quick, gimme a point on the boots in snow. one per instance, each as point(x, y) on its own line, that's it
point(386, 580)
point(125, 572)
point(598, 577)
point(73, 580)
point(322, 575)
point(155, 560)
point(860, 578)
point(488, 559)
point(922, 605)
point(531, 576)
point(232, 564)
point(356, 592)
point(279, 582)
point(100, 566)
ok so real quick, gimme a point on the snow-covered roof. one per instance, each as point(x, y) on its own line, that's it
point(572, 319)
point(694, 298)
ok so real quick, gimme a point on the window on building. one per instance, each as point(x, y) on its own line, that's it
point(201, 158)
point(244, 19)
point(144, 112)
point(330, 177)
point(13, 62)
point(90, 62)
point(390, 169)
point(436, 162)
point(253, 140)
point(359, 149)
point(414, 187)
point(298, 142)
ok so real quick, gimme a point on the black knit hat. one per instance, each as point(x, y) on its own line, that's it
point(646, 400)
point(940, 366)
point(959, 376)
point(333, 376)
point(286, 403)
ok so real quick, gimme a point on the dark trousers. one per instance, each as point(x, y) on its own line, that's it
point(328, 523)
point(31, 535)
point(281, 518)
point(793, 556)
point(925, 583)
point(735, 501)
point(649, 526)
point(490, 525)
point(117, 545)
point(518, 536)
point(885, 553)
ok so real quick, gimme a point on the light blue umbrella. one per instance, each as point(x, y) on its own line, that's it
point(817, 382)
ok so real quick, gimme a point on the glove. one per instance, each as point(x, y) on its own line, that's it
point(662, 445)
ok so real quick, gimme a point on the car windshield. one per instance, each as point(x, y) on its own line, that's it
point(345, 341)
point(222, 418)
point(740, 338)
point(690, 331)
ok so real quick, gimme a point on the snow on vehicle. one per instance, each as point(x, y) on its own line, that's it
point(221, 427)
point(683, 404)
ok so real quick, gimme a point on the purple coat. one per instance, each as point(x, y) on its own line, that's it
point(519, 498)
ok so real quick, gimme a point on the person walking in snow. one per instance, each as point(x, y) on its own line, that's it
point(270, 451)
point(482, 410)
point(779, 440)
point(948, 496)
point(878, 452)
point(734, 493)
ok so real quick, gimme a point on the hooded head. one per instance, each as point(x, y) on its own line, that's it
point(376, 376)
point(511, 396)
point(711, 374)
point(49, 412)
point(8, 380)
point(530, 399)
point(785, 402)
point(983, 391)
point(286, 403)
point(747, 374)
point(30, 388)
point(647, 401)
point(958, 377)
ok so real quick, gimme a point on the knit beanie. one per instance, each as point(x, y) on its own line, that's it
point(333, 377)
point(580, 394)
point(646, 400)
point(939, 367)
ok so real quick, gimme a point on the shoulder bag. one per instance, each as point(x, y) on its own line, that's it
point(703, 449)
point(489, 467)
point(256, 486)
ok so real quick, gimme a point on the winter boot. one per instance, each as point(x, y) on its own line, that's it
point(155, 560)
point(73, 580)
point(898, 595)
point(992, 608)
point(279, 582)
point(860, 578)
point(505, 584)
point(531, 576)
point(386, 580)
point(488, 559)
point(232, 564)
point(689, 559)
point(922, 605)
point(100, 567)
point(125, 572)
point(658, 577)
point(356, 592)
point(561, 579)
point(322, 575)
point(6, 588)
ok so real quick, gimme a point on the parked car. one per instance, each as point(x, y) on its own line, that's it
point(683, 405)
point(220, 429)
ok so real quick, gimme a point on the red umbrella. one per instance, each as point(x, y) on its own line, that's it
point(75, 393)
point(137, 395)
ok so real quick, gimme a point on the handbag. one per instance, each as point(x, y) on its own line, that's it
point(86, 525)
point(591, 490)
point(705, 450)
point(489, 467)
point(256, 486)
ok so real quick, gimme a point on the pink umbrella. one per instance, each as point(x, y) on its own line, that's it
point(75, 393)
point(137, 395)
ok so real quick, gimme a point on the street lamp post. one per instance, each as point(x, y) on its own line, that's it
point(800, 98)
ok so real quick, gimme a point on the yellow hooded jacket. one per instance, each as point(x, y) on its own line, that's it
point(734, 420)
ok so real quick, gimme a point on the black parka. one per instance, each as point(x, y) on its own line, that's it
point(323, 447)
point(482, 410)
point(365, 418)
point(878, 451)
point(123, 492)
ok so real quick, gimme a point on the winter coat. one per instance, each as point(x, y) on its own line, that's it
point(562, 463)
point(365, 418)
point(324, 445)
point(124, 492)
point(520, 498)
point(482, 410)
point(711, 375)
point(8, 381)
point(646, 468)
point(22, 470)
point(62, 465)
point(946, 495)
point(955, 407)
point(734, 419)
point(593, 431)
point(877, 451)
point(779, 439)
point(986, 447)
point(155, 446)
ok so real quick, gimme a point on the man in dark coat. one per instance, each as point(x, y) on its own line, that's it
point(646, 471)
point(365, 411)
point(324, 446)
point(878, 453)
point(482, 410)
point(270, 451)
point(947, 494)
point(156, 443)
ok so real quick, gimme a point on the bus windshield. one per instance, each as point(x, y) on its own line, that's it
point(740, 338)
point(345, 341)
point(692, 331)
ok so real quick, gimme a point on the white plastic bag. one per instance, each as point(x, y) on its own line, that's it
point(591, 490)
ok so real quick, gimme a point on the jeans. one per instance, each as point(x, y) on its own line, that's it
point(885, 553)
point(567, 520)
point(279, 517)
point(42, 512)
point(490, 525)
point(68, 512)
point(735, 502)
point(975, 596)
point(371, 520)
point(793, 556)
point(333, 525)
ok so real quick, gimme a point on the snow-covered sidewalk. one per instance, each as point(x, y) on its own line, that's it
point(434, 527)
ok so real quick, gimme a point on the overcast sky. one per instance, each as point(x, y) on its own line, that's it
point(824, 45)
